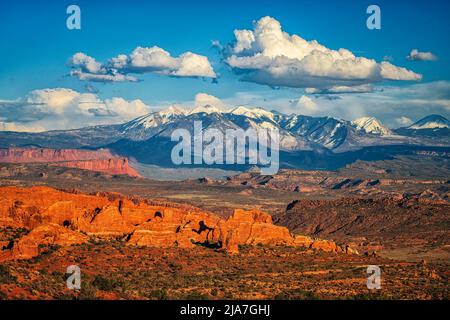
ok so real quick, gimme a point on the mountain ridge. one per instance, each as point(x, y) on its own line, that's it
point(304, 140)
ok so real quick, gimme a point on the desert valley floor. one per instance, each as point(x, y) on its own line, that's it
point(312, 233)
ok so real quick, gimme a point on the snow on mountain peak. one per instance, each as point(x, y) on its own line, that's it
point(206, 109)
point(254, 113)
point(241, 110)
point(155, 119)
point(172, 110)
point(433, 121)
point(371, 125)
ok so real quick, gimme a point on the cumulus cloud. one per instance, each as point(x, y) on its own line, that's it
point(416, 55)
point(268, 55)
point(61, 108)
point(203, 99)
point(305, 103)
point(140, 60)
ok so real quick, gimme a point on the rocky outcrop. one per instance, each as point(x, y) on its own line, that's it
point(110, 166)
point(59, 218)
point(254, 227)
point(101, 160)
point(171, 227)
point(409, 216)
point(28, 155)
point(43, 236)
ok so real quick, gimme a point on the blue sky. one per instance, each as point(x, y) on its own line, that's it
point(37, 46)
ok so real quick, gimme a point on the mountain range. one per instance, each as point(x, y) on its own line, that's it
point(305, 141)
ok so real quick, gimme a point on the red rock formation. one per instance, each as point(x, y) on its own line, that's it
point(254, 227)
point(111, 166)
point(44, 235)
point(56, 217)
point(101, 160)
point(30, 155)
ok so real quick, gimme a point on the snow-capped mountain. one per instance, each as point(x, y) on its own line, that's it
point(145, 126)
point(205, 109)
point(255, 113)
point(325, 131)
point(432, 126)
point(304, 140)
point(371, 125)
point(433, 121)
point(297, 132)
point(228, 120)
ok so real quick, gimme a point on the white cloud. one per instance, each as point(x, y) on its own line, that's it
point(203, 99)
point(416, 55)
point(268, 55)
point(61, 108)
point(386, 103)
point(140, 60)
point(306, 104)
point(193, 65)
point(403, 121)
point(10, 126)
point(102, 77)
point(392, 105)
point(52, 101)
point(341, 89)
point(87, 63)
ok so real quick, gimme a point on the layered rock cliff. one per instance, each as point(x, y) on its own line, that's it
point(111, 166)
point(29, 155)
point(55, 217)
point(101, 160)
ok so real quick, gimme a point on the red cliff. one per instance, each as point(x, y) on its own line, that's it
point(111, 166)
point(101, 160)
point(55, 217)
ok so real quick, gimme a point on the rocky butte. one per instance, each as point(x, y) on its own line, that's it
point(52, 217)
point(101, 160)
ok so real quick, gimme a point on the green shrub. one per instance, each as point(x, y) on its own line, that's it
point(159, 294)
point(105, 284)
point(5, 275)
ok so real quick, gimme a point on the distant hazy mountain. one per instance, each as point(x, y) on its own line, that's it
point(433, 121)
point(431, 126)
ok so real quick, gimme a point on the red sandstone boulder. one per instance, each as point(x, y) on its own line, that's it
point(47, 234)
point(255, 227)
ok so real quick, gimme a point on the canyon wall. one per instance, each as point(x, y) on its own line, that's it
point(111, 166)
point(30, 155)
point(101, 160)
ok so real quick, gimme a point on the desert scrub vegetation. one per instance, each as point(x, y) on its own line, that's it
point(5, 275)
point(157, 294)
point(11, 234)
point(106, 284)
point(296, 294)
